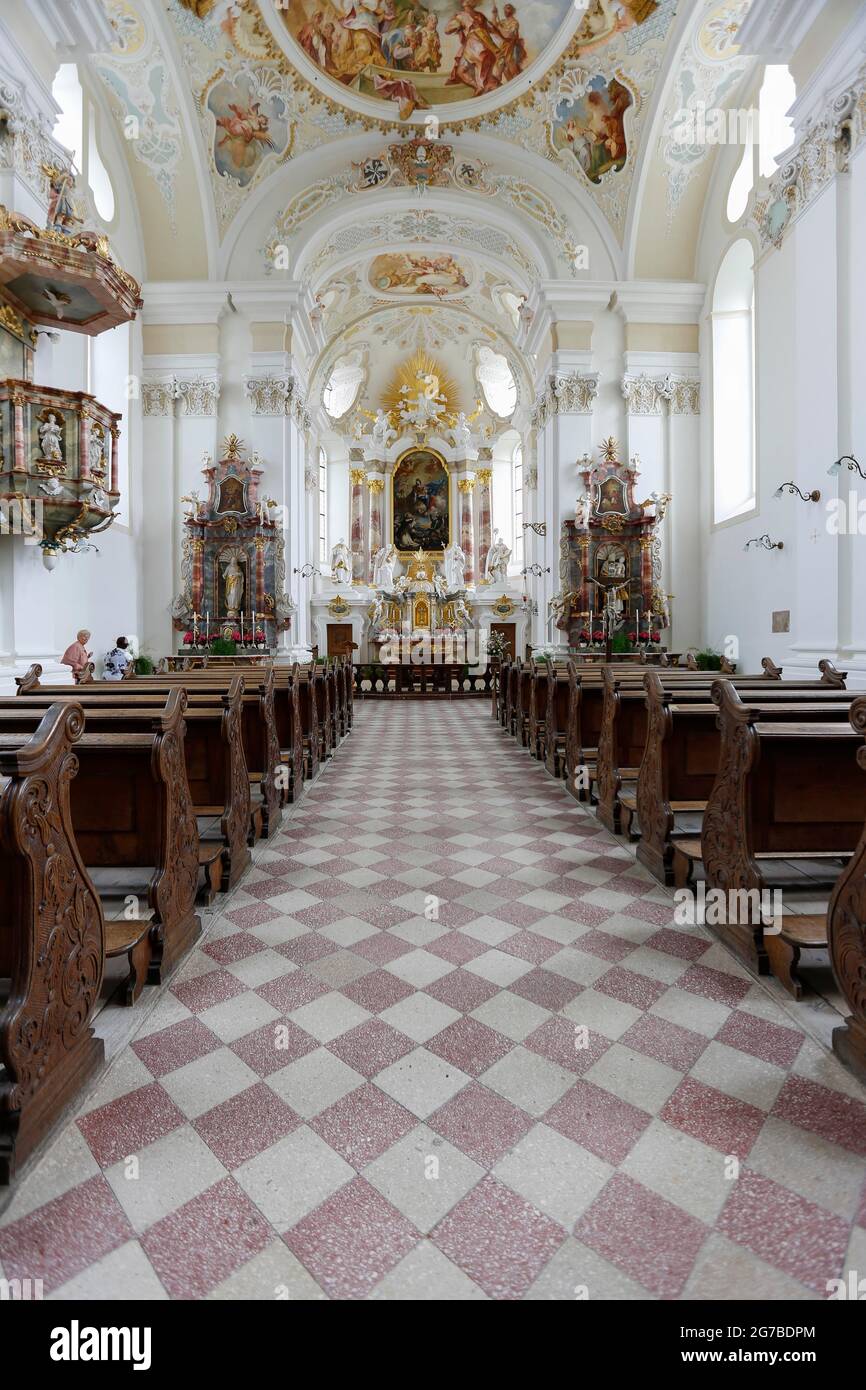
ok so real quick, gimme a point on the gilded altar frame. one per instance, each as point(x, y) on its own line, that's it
point(440, 458)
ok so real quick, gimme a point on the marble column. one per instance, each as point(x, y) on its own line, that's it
point(484, 507)
point(357, 542)
point(376, 487)
point(465, 488)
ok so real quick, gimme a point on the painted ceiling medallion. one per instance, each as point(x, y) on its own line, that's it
point(463, 58)
point(414, 274)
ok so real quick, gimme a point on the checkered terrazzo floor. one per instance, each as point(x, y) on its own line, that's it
point(446, 1043)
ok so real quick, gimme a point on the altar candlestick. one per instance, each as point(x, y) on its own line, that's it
point(590, 627)
point(207, 627)
point(242, 627)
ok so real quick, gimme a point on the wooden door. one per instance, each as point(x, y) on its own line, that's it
point(340, 639)
point(508, 631)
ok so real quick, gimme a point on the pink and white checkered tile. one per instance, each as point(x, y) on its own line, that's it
point(447, 1042)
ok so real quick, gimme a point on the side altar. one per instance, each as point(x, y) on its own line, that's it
point(611, 558)
point(233, 568)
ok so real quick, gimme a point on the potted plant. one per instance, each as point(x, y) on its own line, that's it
point(223, 646)
point(708, 660)
point(143, 664)
point(621, 643)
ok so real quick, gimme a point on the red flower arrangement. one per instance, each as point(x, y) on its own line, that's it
point(187, 639)
point(260, 636)
point(598, 637)
point(656, 636)
point(236, 636)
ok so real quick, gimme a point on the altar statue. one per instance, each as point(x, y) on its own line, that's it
point(496, 564)
point(382, 432)
point(455, 566)
point(234, 582)
point(462, 432)
point(341, 563)
point(50, 432)
point(462, 616)
point(383, 568)
point(559, 609)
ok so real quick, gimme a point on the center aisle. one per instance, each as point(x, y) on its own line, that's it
point(446, 1042)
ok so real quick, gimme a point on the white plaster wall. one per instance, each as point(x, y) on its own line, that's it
point(810, 310)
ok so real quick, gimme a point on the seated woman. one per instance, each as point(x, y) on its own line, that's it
point(77, 656)
point(117, 660)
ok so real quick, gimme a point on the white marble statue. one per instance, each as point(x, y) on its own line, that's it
point(341, 563)
point(376, 612)
point(462, 432)
point(462, 616)
point(440, 586)
point(234, 582)
point(96, 454)
point(383, 569)
point(382, 432)
point(496, 564)
point(455, 567)
point(50, 432)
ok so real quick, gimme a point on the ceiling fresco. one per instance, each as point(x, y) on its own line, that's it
point(549, 87)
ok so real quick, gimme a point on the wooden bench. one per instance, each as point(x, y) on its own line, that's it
point(681, 756)
point(311, 738)
point(259, 724)
point(215, 766)
point(133, 819)
point(784, 790)
point(51, 937)
point(556, 718)
point(623, 733)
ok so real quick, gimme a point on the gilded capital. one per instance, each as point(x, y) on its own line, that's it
point(357, 476)
point(466, 485)
point(376, 485)
point(484, 475)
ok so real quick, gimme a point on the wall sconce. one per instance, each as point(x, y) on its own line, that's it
point(765, 542)
point(538, 527)
point(307, 572)
point(813, 496)
point(536, 570)
point(850, 463)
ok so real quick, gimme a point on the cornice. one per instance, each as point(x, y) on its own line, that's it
point(660, 301)
point(774, 29)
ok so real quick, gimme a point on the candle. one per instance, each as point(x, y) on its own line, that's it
point(207, 626)
point(590, 626)
point(242, 626)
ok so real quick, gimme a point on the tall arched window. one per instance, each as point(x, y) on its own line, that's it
point(733, 324)
point(323, 507)
point(517, 470)
point(75, 128)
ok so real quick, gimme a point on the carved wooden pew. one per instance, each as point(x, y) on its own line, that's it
point(681, 754)
point(258, 724)
point(785, 789)
point(290, 735)
point(535, 732)
point(556, 718)
point(216, 771)
point(349, 676)
point(133, 820)
point(846, 933)
point(522, 701)
point(51, 937)
point(312, 740)
point(623, 732)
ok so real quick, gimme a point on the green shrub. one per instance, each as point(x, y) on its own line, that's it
point(620, 642)
point(223, 646)
point(143, 665)
point(708, 660)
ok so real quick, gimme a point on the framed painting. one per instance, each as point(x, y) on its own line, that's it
point(420, 503)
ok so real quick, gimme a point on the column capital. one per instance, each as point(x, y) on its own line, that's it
point(573, 393)
point(357, 477)
point(647, 395)
point(484, 475)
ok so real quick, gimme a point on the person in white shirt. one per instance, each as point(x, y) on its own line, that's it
point(117, 661)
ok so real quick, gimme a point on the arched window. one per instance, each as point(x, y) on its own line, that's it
point(778, 94)
point(75, 128)
point(733, 325)
point(517, 475)
point(769, 132)
point(323, 507)
point(343, 385)
point(494, 376)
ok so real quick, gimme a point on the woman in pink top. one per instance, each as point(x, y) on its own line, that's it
point(77, 656)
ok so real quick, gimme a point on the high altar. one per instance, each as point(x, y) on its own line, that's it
point(233, 567)
point(611, 553)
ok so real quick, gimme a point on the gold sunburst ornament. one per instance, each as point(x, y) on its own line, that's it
point(421, 373)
